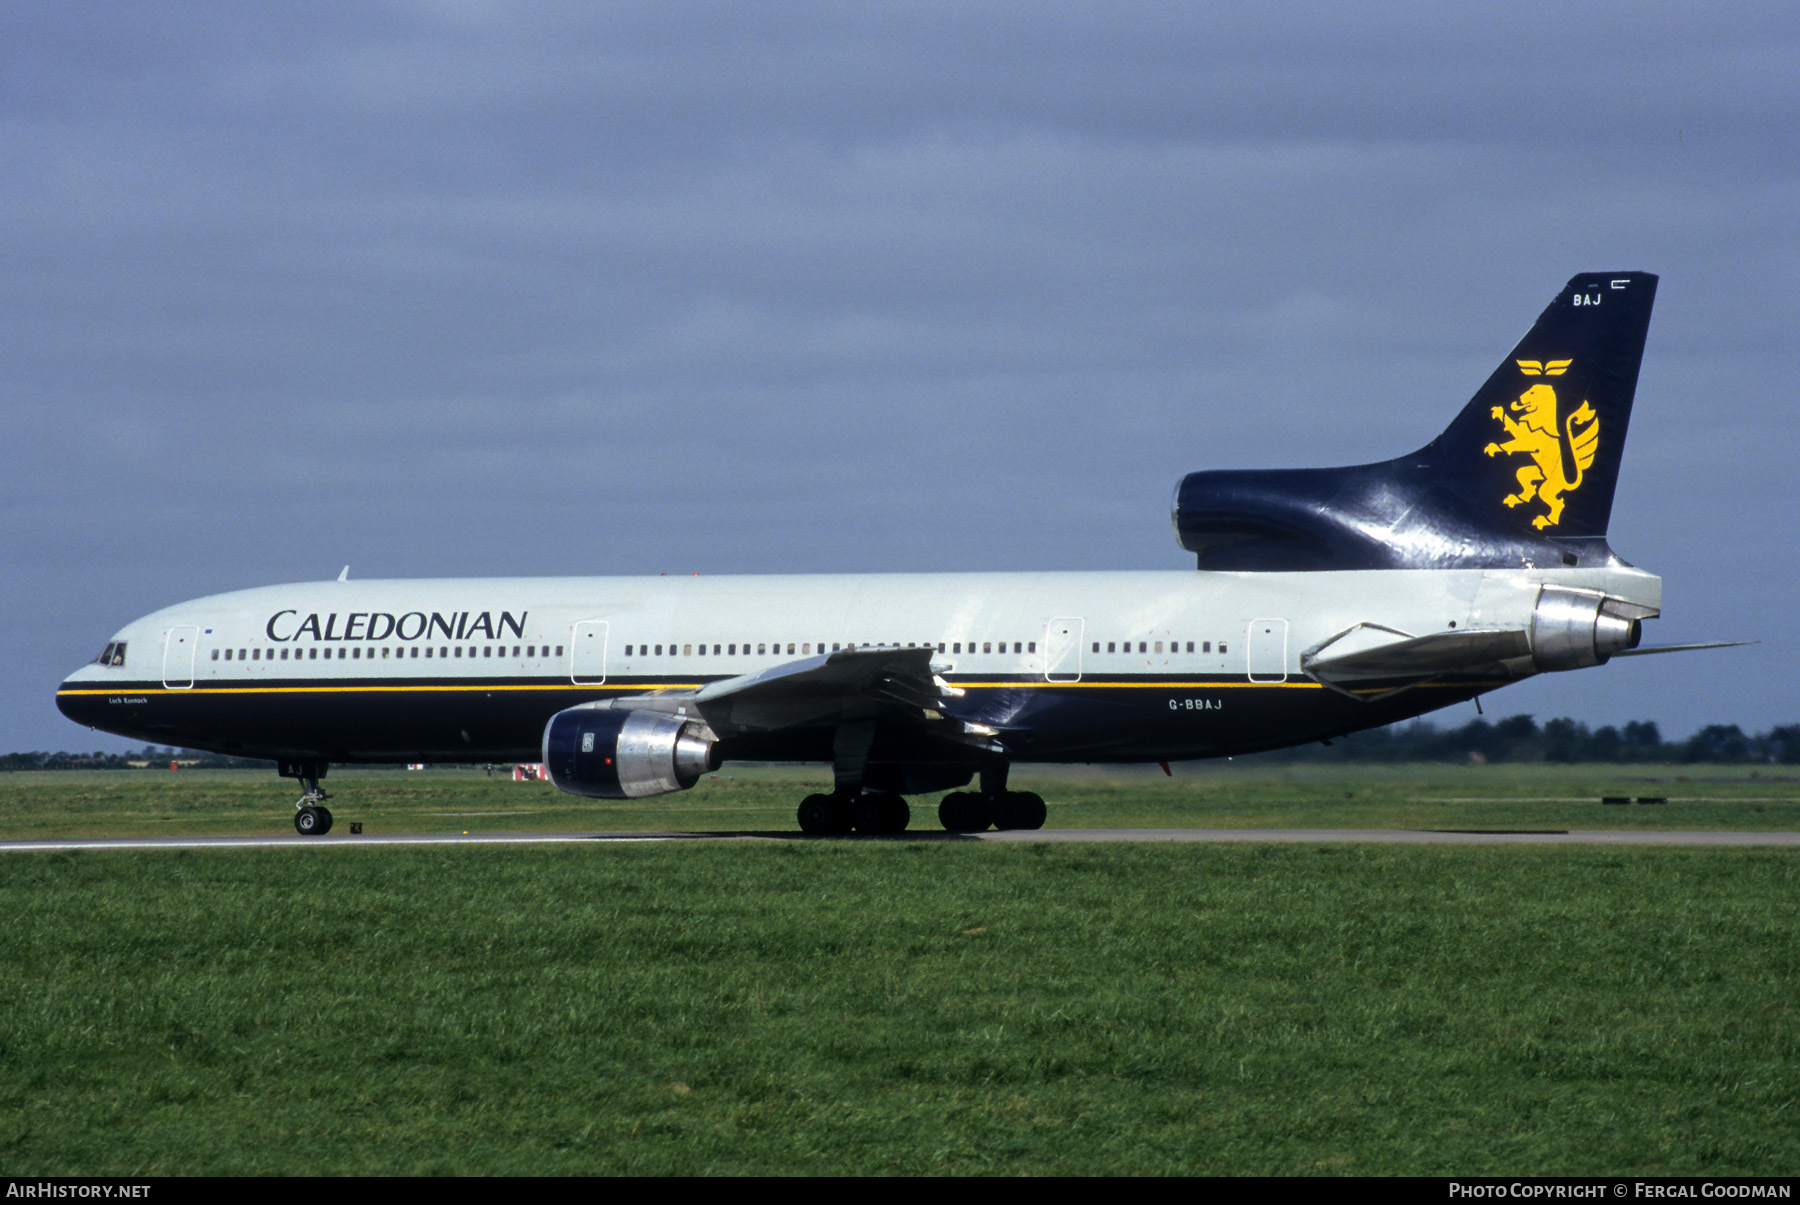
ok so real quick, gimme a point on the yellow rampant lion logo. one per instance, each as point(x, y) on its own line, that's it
point(1536, 436)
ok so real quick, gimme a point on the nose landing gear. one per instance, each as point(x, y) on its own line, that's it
point(311, 817)
point(312, 821)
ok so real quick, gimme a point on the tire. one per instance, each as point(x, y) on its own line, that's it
point(1021, 810)
point(820, 815)
point(899, 814)
point(963, 812)
point(879, 813)
point(307, 821)
point(324, 821)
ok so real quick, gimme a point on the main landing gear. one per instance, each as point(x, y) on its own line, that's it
point(969, 812)
point(850, 809)
point(972, 812)
point(865, 812)
point(311, 817)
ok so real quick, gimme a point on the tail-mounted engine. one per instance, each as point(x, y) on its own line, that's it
point(1567, 629)
point(1573, 629)
point(604, 753)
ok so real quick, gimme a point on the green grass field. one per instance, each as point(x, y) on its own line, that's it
point(1218, 795)
point(874, 1007)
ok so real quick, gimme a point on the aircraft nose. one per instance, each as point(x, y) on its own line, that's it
point(78, 706)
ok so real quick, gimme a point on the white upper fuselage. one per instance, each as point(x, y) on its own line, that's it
point(689, 629)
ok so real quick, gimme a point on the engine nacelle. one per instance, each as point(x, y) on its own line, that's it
point(604, 753)
point(1573, 629)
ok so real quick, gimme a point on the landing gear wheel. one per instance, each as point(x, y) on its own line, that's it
point(964, 812)
point(880, 812)
point(824, 815)
point(1020, 810)
point(312, 821)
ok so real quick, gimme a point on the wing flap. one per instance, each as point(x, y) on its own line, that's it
point(835, 688)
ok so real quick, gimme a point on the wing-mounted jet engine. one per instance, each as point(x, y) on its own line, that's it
point(604, 752)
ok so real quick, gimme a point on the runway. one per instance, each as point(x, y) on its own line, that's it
point(1176, 836)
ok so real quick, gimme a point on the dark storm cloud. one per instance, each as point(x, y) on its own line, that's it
point(471, 288)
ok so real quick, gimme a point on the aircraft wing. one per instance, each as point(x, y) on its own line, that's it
point(831, 688)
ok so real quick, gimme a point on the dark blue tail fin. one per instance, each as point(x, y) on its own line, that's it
point(1523, 476)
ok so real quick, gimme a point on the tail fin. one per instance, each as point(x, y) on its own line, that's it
point(1582, 352)
point(1523, 476)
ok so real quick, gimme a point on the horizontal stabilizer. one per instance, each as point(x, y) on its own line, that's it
point(1684, 648)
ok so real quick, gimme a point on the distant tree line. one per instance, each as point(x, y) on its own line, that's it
point(1521, 739)
point(1515, 739)
point(157, 757)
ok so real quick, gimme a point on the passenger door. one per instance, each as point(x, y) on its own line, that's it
point(587, 652)
point(1062, 649)
point(1267, 650)
point(178, 657)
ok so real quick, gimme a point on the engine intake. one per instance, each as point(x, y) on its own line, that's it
point(604, 753)
point(1573, 629)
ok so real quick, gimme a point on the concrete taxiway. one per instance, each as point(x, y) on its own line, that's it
point(1200, 836)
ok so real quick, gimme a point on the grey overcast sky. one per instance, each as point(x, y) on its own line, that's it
point(494, 288)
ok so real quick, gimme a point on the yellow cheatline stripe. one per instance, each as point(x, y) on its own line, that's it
point(649, 686)
point(1158, 685)
point(347, 689)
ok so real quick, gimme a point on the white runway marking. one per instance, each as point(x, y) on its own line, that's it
point(1190, 836)
point(330, 842)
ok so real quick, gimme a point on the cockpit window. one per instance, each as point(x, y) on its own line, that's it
point(113, 654)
